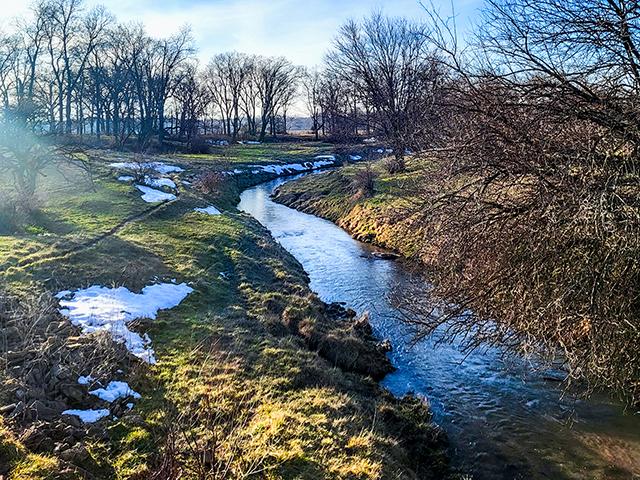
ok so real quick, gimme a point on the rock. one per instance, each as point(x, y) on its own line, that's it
point(72, 420)
point(72, 391)
point(75, 454)
point(385, 255)
point(33, 437)
point(40, 411)
point(97, 431)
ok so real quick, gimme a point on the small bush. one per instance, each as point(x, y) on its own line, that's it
point(210, 182)
point(199, 146)
point(364, 182)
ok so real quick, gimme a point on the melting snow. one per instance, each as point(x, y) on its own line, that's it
point(103, 309)
point(321, 161)
point(151, 195)
point(157, 166)
point(379, 150)
point(85, 380)
point(331, 158)
point(126, 178)
point(210, 210)
point(355, 158)
point(114, 391)
point(159, 182)
point(88, 416)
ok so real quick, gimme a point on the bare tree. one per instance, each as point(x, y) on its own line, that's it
point(192, 100)
point(71, 38)
point(312, 85)
point(389, 61)
point(531, 218)
point(274, 78)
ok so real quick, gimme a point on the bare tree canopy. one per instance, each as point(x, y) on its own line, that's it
point(531, 215)
point(390, 63)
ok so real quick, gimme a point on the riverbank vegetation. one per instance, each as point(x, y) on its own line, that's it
point(525, 215)
point(510, 171)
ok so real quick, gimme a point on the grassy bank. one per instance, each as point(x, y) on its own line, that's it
point(380, 219)
point(255, 375)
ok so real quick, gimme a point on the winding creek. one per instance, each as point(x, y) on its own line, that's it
point(503, 421)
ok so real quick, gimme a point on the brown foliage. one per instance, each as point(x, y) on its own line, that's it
point(532, 213)
point(364, 182)
point(210, 182)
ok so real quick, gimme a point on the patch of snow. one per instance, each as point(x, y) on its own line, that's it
point(114, 391)
point(88, 416)
point(157, 166)
point(326, 157)
point(355, 158)
point(126, 178)
point(62, 294)
point(389, 150)
point(379, 150)
point(252, 142)
point(103, 309)
point(283, 169)
point(210, 210)
point(370, 140)
point(130, 406)
point(159, 182)
point(151, 195)
point(85, 380)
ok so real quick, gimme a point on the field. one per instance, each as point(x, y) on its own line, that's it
point(255, 375)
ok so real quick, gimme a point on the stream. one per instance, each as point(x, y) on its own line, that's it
point(503, 419)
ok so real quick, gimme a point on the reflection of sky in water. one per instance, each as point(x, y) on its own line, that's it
point(504, 422)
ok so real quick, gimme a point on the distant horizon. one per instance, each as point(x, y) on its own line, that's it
point(300, 31)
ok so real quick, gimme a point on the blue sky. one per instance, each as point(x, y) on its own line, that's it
point(300, 30)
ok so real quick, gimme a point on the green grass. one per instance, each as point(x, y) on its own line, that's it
point(384, 219)
point(263, 154)
point(272, 404)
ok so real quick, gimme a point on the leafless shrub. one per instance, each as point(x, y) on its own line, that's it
point(532, 214)
point(364, 181)
point(210, 182)
point(41, 354)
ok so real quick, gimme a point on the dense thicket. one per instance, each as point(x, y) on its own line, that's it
point(532, 211)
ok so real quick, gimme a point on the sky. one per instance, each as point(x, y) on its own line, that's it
point(301, 30)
